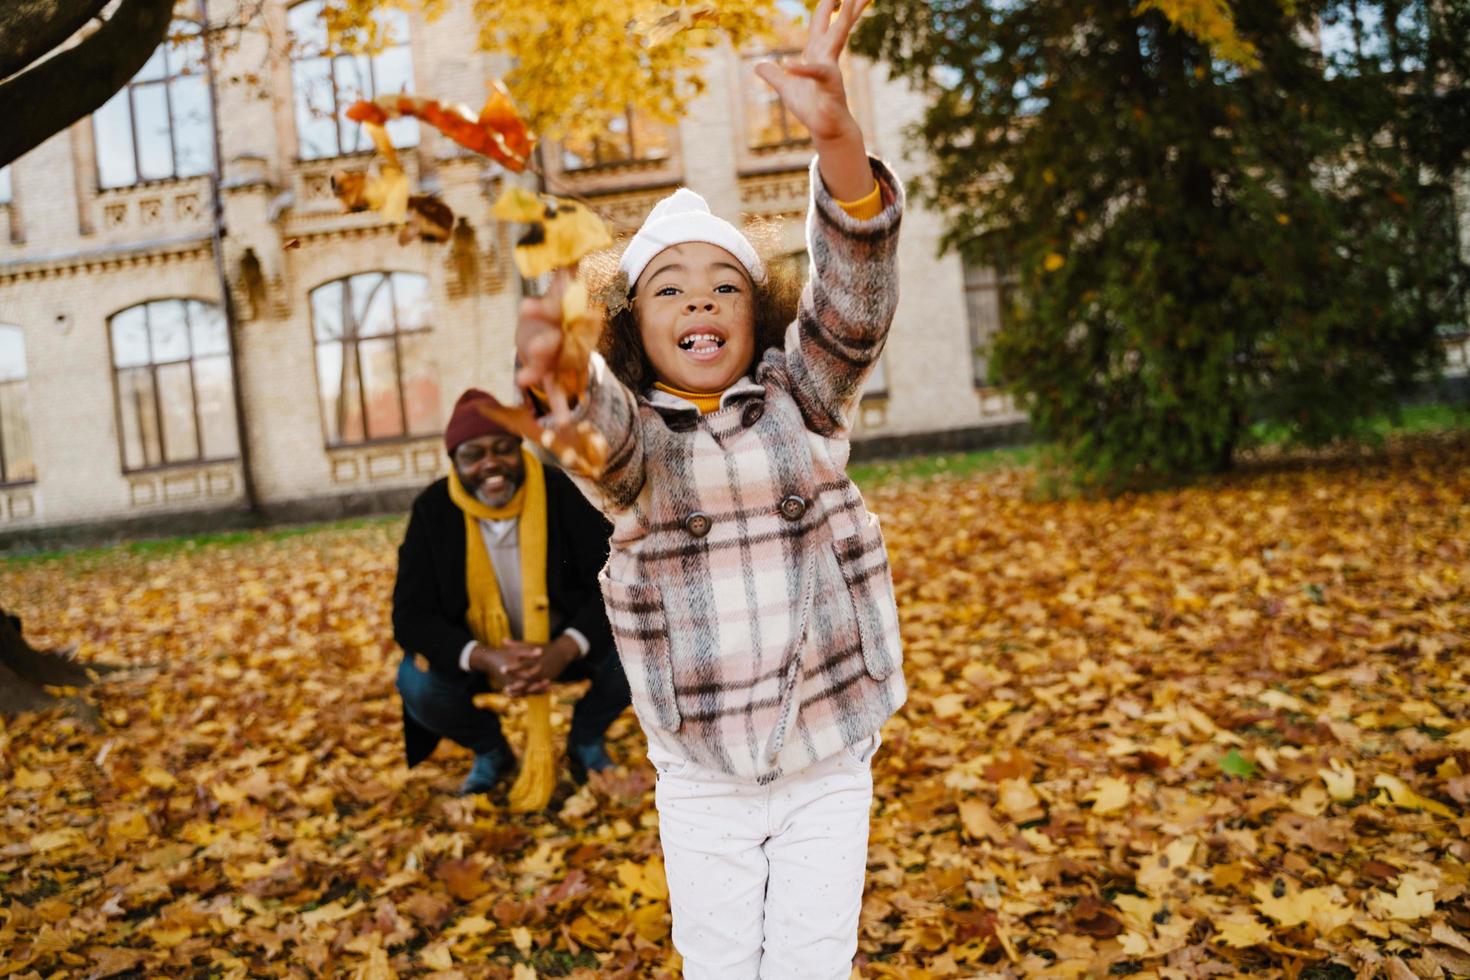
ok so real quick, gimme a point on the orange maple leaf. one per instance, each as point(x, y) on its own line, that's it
point(498, 131)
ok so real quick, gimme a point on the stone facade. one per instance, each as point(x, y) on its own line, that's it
point(73, 254)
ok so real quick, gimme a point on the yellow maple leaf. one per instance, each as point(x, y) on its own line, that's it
point(1321, 908)
point(437, 957)
point(474, 925)
point(1341, 783)
point(651, 922)
point(949, 705)
point(1413, 900)
point(31, 779)
point(521, 937)
point(55, 840)
point(1110, 796)
point(646, 879)
point(1401, 796)
point(1241, 930)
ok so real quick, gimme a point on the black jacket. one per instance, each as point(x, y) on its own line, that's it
point(430, 598)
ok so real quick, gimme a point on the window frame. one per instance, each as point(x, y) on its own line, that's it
point(7, 186)
point(633, 159)
point(397, 333)
point(24, 379)
point(169, 75)
point(976, 278)
point(338, 120)
point(152, 366)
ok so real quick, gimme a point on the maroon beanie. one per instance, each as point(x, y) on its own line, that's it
point(469, 421)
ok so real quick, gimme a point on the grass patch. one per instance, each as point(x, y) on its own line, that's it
point(183, 544)
point(944, 464)
point(1405, 421)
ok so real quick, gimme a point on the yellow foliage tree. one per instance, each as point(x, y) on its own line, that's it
point(574, 64)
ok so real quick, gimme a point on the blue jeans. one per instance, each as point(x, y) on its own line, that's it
point(444, 703)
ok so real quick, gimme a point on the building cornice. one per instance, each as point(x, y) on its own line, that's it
point(106, 258)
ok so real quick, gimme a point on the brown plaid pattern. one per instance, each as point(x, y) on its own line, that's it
point(748, 587)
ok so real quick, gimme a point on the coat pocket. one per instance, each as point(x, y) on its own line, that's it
point(863, 559)
point(640, 628)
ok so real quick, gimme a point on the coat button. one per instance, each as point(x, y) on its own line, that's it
point(793, 508)
point(752, 413)
point(698, 524)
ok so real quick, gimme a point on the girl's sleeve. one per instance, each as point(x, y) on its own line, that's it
point(847, 306)
point(613, 411)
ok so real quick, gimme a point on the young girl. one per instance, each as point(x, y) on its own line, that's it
point(748, 586)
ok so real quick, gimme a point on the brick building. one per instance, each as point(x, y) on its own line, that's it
point(130, 393)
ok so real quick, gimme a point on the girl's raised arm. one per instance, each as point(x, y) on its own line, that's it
point(813, 92)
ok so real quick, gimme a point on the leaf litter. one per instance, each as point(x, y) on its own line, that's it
point(1219, 731)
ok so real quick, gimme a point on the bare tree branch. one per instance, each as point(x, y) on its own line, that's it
point(29, 29)
point(51, 95)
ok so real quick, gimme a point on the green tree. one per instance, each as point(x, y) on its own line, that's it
point(1199, 242)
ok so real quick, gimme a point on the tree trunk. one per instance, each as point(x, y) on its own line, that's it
point(26, 672)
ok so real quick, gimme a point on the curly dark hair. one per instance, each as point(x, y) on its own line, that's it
point(775, 307)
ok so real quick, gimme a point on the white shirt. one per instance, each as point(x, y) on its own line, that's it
point(503, 543)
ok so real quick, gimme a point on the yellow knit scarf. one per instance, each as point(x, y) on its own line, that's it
point(489, 624)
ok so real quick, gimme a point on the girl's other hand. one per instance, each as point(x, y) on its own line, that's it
point(538, 340)
point(812, 87)
point(813, 91)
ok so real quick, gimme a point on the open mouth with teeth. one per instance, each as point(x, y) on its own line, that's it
point(702, 344)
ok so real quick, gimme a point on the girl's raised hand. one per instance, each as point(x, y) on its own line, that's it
point(813, 91)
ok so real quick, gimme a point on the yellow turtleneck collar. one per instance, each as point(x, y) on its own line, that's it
point(705, 401)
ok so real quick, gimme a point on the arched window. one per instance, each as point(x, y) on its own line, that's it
point(5, 184)
point(159, 125)
point(17, 465)
point(323, 85)
point(373, 364)
point(175, 395)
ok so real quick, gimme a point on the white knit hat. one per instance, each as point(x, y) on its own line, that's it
point(682, 217)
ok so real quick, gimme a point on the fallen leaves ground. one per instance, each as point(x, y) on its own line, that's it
point(1211, 732)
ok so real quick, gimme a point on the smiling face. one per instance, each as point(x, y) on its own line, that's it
point(696, 316)
point(490, 467)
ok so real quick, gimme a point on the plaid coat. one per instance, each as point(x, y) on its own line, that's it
point(748, 587)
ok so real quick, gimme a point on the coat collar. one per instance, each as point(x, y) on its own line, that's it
point(667, 404)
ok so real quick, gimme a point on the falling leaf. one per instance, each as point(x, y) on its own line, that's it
point(498, 131)
point(429, 220)
point(661, 23)
point(561, 231)
point(384, 189)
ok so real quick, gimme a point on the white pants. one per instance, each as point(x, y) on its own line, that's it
point(766, 881)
